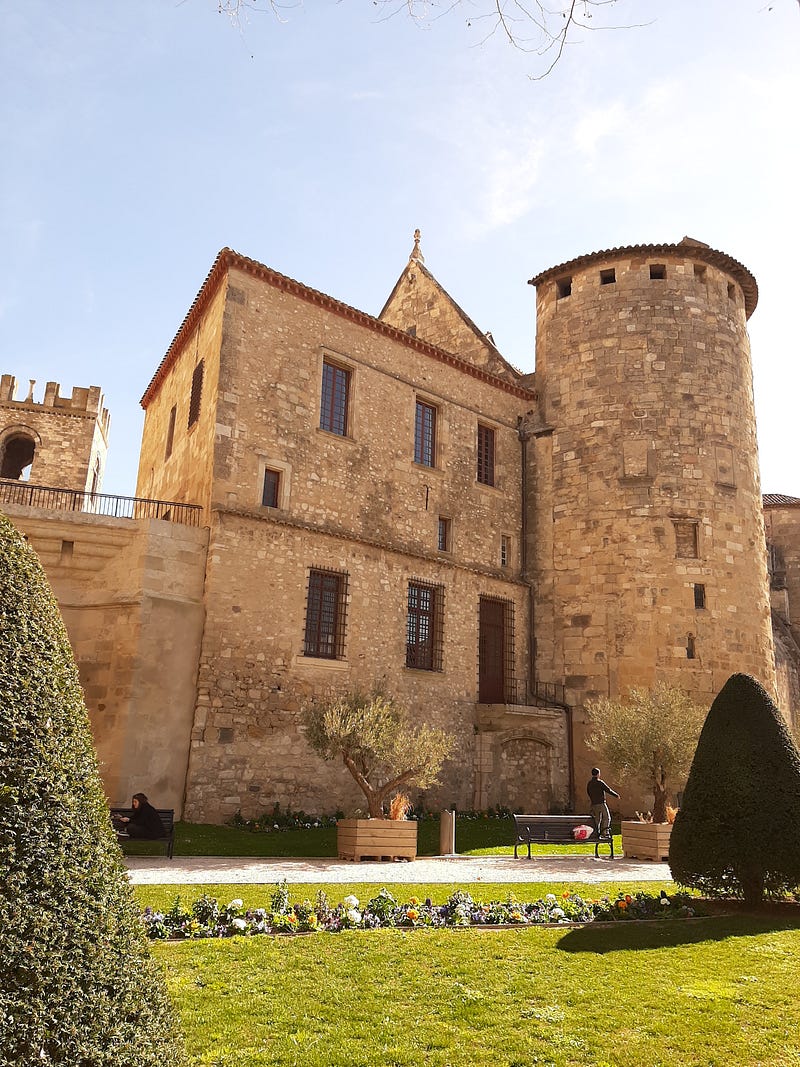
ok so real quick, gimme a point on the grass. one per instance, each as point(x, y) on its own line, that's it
point(705, 992)
point(475, 837)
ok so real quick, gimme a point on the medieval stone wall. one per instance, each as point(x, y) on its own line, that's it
point(647, 530)
point(130, 593)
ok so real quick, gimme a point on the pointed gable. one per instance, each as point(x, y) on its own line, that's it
point(420, 306)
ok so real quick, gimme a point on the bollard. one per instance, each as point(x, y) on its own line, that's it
point(447, 834)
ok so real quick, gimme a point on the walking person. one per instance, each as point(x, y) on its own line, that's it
point(597, 790)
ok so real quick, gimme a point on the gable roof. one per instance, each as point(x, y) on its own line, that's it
point(228, 259)
point(778, 500)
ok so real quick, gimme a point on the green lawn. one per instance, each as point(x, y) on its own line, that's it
point(715, 991)
point(473, 837)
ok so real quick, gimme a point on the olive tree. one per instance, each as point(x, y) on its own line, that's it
point(738, 830)
point(375, 740)
point(77, 983)
point(650, 735)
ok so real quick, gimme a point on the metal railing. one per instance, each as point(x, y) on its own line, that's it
point(116, 507)
point(544, 694)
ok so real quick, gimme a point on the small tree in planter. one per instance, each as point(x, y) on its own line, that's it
point(651, 736)
point(374, 739)
point(738, 830)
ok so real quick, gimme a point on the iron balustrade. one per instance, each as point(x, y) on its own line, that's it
point(116, 507)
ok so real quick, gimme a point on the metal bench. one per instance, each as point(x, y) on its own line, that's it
point(167, 816)
point(556, 830)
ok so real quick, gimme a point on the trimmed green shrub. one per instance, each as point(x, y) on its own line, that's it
point(738, 830)
point(77, 984)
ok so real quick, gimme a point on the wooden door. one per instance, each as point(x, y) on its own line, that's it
point(491, 652)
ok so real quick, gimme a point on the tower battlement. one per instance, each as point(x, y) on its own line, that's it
point(83, 401)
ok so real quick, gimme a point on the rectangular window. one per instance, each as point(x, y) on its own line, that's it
point(658, 271)
point(563, 288)
point(609, 276)
point(335, 399)
point(444, 534)
point(424, 626)
point(699, 596)
point(686, 543)
point(271, 493)
point(505, 551)
point(425, 435)
point(485, 455)
point(325, 614)
point(196, 394)
point(170, 432)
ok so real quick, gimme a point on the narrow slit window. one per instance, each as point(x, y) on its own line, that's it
point(731, 291)
point(691, 649)
point(609, 276)
point(699, 595)
point(444, 534)
point(170, 432)
point(485, 455)
point(505, 551)
point(425, 434)
point(196, 394)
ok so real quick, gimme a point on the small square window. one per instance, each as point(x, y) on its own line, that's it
point(657, 271)
point(270, 496)
point(608, 277)
point(700, 272)
point(699, 596)
point(444, 534)
point(563, 288)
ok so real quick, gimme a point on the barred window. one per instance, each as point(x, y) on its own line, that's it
point(425, 434)
point(424, 626)
point(325, 614)
point(444, 534)
point(196, 394)
point(335, 398)
point(485, 455)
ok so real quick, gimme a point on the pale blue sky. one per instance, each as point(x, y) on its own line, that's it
point(138, 138)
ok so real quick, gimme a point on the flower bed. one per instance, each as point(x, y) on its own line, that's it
point(207, 918)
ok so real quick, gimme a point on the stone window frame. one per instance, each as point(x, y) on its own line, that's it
point(680, 527)
point(15, 433)
point(284, 472)
point(424, 626)
point(444, 539)
point(325, 624)
point(196, 395)
point(334, 417)
point(505, 550)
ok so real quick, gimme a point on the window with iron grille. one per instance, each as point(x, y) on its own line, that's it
point(325, 614)
point(196, 394)
point(335, 398)
point(424, 626)
point(425, 434)
point(505, 551)
point(170, 432)
point(485, 455)
point(271, 492)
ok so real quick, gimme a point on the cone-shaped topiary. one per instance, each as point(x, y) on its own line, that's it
point(77, 983)
point(738, 830)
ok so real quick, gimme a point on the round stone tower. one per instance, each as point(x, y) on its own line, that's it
point(645, 527)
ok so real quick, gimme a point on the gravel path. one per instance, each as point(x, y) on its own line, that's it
point(185, 870)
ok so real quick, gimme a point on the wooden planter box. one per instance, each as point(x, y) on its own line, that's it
point(646, 840)
point(358, 839)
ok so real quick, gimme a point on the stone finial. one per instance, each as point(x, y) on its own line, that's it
point(416, 255)
point(29, 397)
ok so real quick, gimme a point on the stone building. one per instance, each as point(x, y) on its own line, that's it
point(358, 500)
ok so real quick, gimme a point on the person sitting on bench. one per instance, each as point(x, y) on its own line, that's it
point(145, 821)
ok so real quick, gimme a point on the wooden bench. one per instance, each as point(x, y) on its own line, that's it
point(556, 830)
point(167, 816)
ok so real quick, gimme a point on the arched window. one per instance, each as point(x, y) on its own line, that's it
point(16, 457)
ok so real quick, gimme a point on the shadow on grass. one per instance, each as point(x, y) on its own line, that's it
point(650, 934)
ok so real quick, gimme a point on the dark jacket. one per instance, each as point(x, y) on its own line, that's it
point(145, 822)
point(597, 788)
